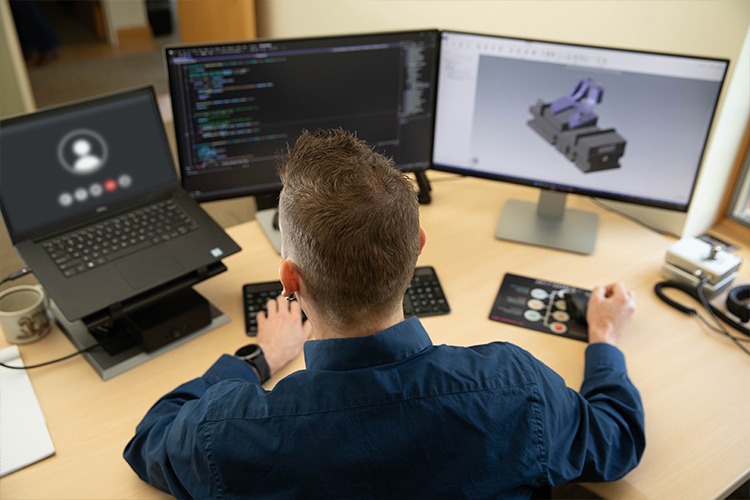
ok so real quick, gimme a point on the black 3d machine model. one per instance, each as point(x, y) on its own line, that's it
point(570, 124)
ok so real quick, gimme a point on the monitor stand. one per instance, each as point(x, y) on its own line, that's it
point(423, 183)
point(267, 213)
point(268, 209)
point(548, 223)
point(265, 218)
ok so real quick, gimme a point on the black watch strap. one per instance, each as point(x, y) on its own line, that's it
point(253, 355)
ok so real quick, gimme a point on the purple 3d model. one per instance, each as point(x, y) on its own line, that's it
point(570, 124)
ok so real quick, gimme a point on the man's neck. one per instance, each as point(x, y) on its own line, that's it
point(323, 329)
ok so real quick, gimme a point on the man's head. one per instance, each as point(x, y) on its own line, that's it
point(350, 224)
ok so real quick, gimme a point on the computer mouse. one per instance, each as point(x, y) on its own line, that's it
point(275, 221)
point(577, 304)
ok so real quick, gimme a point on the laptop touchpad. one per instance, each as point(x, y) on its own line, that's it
point(152, 268)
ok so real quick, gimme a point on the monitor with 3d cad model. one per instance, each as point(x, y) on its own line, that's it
point(610, 123)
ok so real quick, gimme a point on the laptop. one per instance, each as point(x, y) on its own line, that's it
point(78, 182)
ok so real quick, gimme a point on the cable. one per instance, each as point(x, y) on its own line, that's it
point(46, 363)
point(697, 293)
point(16, 274)
point(692, 292)
point(713, 328)
point(719, 325)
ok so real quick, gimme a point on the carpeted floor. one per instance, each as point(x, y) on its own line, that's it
point(57, 83)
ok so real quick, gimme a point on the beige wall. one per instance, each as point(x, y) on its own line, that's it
point(700, 27)
point(711, 28)
point(15, 92)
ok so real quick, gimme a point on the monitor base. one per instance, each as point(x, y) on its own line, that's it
point(526, 222)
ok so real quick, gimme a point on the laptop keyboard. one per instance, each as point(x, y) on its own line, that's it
point(424, 297)
point(103, 242)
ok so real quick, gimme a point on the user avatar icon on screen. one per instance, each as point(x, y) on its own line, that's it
point(82, 152)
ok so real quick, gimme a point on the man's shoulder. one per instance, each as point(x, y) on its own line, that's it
point(502, 361)
point(495, 350)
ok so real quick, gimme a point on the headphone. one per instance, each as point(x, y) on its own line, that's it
point(734, 303)
point(738, 302)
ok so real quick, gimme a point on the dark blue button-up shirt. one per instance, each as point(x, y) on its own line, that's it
point(392, 416)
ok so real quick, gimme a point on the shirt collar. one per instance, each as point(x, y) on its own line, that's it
point(393, 344)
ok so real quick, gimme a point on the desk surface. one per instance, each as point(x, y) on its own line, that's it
point(693, 382)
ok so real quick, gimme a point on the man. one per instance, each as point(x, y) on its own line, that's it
point(380, 412)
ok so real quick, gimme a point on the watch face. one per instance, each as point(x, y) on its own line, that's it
point(250, 350)
point(253, 355)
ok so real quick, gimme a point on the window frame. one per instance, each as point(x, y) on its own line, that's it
point(727, 223)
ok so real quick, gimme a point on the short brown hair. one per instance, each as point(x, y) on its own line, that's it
point(350, 223)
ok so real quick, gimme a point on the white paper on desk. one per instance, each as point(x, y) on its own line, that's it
point(24, 438)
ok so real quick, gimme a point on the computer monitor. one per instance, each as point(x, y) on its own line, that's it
point(236, 106)
point(616, 124)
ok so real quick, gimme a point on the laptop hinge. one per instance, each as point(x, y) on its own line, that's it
point(116, 311)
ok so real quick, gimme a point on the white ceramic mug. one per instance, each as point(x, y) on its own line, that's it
point(23, 314)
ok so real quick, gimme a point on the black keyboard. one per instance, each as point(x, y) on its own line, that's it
point(92, 246)
point(424, 297)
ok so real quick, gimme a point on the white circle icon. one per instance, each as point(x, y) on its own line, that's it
point(82, 151)
point(65, 199)
point(96, 190)
point(125, 180)
point(81, 194)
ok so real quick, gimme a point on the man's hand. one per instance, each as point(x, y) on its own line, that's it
point(610, 309)
point(281, 333)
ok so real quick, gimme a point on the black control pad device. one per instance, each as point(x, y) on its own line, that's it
point(577, 304)
point(542, 305)
point(424, 297)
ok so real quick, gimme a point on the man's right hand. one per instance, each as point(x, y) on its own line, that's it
point(281, 333)
point(610, 309)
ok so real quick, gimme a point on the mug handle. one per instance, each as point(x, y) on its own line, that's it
point(44, 294)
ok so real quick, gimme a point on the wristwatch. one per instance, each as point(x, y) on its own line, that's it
point(253, 355)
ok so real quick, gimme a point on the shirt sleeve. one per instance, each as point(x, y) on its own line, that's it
point(150, 452)
point(598, 433)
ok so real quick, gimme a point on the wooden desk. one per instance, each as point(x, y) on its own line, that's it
point(694, 383)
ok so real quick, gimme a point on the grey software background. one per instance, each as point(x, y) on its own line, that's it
point(664, 121)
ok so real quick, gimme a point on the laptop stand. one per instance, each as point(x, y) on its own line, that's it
point(126, 354)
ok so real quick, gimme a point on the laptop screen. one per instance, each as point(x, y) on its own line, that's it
point(63, 165)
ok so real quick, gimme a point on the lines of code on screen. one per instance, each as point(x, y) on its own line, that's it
point(237, 107)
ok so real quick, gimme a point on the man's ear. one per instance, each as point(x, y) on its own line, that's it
point(289, 277)
point(422, 239)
